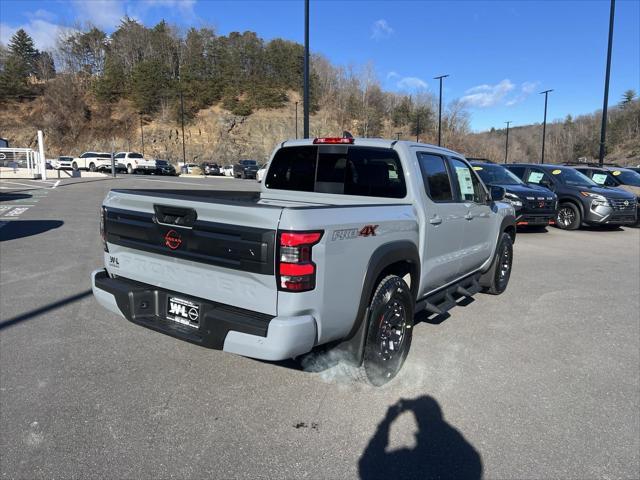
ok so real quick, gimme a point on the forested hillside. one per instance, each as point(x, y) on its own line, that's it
point(239, 96)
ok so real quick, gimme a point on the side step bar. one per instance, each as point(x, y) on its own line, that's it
point(444, 300)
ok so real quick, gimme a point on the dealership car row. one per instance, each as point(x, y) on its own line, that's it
point(567, 196)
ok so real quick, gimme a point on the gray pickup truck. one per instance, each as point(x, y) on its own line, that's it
point(346, 241)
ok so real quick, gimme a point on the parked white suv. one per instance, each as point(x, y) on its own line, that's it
point(135, 162)
point(92, 161)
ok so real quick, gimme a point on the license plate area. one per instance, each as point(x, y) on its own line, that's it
point(183, 312)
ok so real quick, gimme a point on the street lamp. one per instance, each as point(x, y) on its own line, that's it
point(506, 146)
point(440, 109)
point(306, 70)
point(603, 130)
point(296, 120)
point(417, 127)
point(544, 124)
point(184, 155)
point(141, 133)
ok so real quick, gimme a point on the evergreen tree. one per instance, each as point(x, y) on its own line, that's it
point(21, 47)
point(628, 97)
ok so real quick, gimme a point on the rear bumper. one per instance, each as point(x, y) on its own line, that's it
point(222, 327)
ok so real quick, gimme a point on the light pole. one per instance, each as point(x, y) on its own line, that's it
point(544, 124)
point(141, 133)
point(418, 127)
point(305, 105)
point(506, 146)
point(296, 120)
point(440, 109)
point(184, 155)
point(603, 130)
point(398, 135)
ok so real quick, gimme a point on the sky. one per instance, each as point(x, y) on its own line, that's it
point(498, 55)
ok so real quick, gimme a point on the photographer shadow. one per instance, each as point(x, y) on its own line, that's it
point(441, 451)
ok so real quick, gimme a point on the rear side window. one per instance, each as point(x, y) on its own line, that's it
point(338, 169)
point(470, 188)
point(436, 177)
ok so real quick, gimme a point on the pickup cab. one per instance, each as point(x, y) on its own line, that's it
point(345, 242)
point(134, 162)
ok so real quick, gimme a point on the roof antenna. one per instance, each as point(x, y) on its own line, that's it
point(346, 134)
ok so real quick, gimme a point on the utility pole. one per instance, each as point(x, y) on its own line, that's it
point(418, 127)
point(398, 135)
point(603, 130)
point(440, 109)
point(305, 105)
point(506, 146)
point(184, 154)
point(544, 124)
point(296, 120)
point(141, 133)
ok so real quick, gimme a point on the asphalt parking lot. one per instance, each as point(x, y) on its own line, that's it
point(540, 382)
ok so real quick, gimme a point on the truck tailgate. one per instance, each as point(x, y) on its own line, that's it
point(217, 249)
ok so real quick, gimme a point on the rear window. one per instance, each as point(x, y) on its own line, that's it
point(103, 155)
point(338, 169)
point(135, 155)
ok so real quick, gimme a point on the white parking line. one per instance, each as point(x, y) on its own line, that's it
point(30, 185)
point(56, 184)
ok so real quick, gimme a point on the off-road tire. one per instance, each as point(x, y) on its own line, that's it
point(568, 217)
point(501, 266)
point(392, 305)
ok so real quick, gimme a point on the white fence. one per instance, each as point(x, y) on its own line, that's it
point(21, 158)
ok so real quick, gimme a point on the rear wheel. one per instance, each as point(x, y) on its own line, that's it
point(74, 165)
point(390, 331)
point(568, 217)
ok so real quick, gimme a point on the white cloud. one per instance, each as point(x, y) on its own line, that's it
point(411, 83)
point(101, 13)
point(392, 75)
point(483, 96)
point(529, 87)
point(44, 33)
point(381, 29)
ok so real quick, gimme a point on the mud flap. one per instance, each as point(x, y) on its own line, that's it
point(352, 350)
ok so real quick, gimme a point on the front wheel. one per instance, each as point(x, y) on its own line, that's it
point(390, 331)
point(129, 169)
point(92, 167)
point(74, 165)
point(500, 271)
point(568, 217)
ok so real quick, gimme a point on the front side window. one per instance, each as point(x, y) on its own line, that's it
point(539, 178)
point(471, 190)
point(435, 177)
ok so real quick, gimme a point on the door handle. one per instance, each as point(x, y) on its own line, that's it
point(435, 220)
point(468, 216)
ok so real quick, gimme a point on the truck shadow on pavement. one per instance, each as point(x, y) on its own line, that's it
point(15, 229)
point(441, 451)
point(12, 197)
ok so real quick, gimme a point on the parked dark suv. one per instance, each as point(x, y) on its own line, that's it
point(582, 201)
point(534, 204)
point(616, 177)
point(246, 169)
point(209, 168)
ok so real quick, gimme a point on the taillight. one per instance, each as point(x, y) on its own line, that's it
point(296, 271)
point(333, 140)
point(103, 228)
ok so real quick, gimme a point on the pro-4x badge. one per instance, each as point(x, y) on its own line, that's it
point(172, 239)
point(368, 230)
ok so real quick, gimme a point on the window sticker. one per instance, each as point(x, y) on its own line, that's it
point(464, 179)
point(557, 172)
point(599, 178)
point(535, 177)
point(477, 168)
point(617, 172)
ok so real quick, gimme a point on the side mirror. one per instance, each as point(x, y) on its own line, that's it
point(497, 193)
